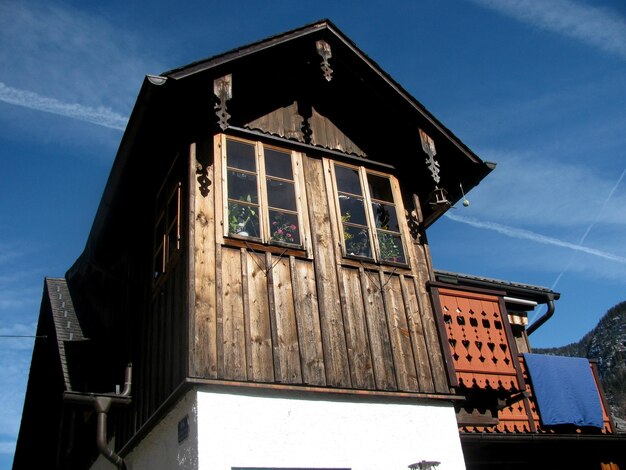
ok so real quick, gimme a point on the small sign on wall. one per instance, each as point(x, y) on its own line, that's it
point(183, 429)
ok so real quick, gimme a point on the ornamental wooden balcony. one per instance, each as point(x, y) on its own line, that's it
point(486, 367)
point(521, 413)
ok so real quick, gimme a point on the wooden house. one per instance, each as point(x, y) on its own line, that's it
point(257, 289)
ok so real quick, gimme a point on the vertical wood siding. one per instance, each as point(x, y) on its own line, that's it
point(263, 317)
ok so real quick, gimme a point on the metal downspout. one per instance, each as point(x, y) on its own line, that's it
point(102, 404)
point(544, 318)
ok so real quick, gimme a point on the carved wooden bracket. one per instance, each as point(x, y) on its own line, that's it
point(323, 49)
point(223, 90)
point(306, 111)
point(428, 145)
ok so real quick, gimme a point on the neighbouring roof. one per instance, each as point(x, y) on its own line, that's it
point(524, 291)
point(67, 327)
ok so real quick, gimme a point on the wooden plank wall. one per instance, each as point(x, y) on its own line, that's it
point(160, 358)
point(263, 317)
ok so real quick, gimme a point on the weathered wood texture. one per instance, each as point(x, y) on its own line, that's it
point(271, 318)
point(203, 325)
point(287, 122)
point(162, 345)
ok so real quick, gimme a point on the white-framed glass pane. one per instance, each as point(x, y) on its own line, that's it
point(352, 210)
point(348, 180)
point(379, 187)
point(281, 195)
point(357, 241)
point(385, 216)
point(284, 227)
point(391, 247)
point(278, 164)
point(240, 155)
point(243, 220)
point(242, 187)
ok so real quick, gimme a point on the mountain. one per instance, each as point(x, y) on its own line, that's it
point(606, 344)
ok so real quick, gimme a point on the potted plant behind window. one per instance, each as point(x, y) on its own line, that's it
point(356, 241)
point(283, 229)
point(390, 249)
point(241, 218)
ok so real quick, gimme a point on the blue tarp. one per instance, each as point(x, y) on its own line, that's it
point(565, 390)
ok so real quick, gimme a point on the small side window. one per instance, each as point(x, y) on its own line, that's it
point(167, 231)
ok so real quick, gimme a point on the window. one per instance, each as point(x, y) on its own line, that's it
point(261, 203)
point(369, 217)
point(167, 233)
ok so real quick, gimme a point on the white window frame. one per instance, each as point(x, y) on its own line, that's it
point(371, 221)
point(264, 208)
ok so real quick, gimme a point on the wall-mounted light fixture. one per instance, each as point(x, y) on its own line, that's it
point(424, 465)
point(438, 199)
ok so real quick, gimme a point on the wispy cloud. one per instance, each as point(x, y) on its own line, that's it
point(535, 237)
point(598, 27)
point(56, 55)
point(100, 116)
point(535, 188)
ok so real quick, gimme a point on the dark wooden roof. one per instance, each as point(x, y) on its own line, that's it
point(362, 100)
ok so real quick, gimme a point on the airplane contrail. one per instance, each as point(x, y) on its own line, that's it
point(595, 221)
point(536, 237)
point(100, 116)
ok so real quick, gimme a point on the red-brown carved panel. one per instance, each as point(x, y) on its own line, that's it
point(478, 341)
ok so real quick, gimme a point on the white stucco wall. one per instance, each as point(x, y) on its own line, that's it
point(229, 430)
point(160, 449)
point(264, 431)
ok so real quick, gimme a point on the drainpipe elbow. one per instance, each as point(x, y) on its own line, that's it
point(101, 439)
point(127, 381)
point(544, 318)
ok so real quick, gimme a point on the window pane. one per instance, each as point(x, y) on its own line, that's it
point(385, 216)
point(281, 195)
point(357, 241)
point(380, 187)
point(391, 247)
point(348, 180)
point(242, 186)
point(158, 262)
point(160, 227)
point(352, 210)
point(243, 220)
point(240, 155)
point(278, 164)
point(284, 227)
point(172, 241)
point(172, 210)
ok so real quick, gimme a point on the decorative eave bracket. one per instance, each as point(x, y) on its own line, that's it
point(323, 49)
point(428, 145)
point(223, 90)
point(438, 197)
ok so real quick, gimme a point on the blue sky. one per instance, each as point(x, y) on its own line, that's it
point(538, 87)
